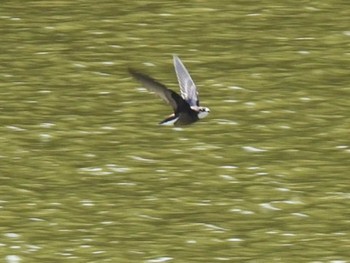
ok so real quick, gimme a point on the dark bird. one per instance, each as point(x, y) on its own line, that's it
point(186, 107)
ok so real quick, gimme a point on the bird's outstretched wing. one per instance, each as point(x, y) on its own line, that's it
point(187, 86)
point(169, 96)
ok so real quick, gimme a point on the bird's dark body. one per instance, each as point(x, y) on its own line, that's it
point(186, 107)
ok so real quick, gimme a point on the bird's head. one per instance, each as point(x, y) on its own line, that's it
point(203, 112)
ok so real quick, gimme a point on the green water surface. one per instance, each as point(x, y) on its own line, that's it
point(87, 175)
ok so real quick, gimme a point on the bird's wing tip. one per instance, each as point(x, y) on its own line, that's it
point(131, 70)
point(175, 57)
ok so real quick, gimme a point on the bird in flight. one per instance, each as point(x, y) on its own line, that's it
point(186, 107)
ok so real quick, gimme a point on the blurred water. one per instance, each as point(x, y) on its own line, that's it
point(87, 175)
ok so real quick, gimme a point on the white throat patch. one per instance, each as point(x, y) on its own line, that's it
point(202, 111)
point(203, 114)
